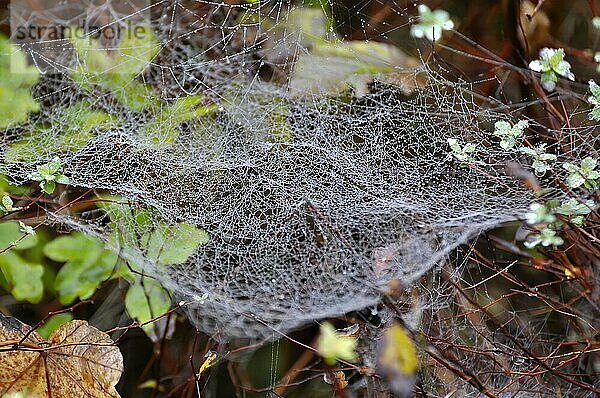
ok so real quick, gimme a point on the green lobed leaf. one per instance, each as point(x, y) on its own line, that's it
point(24, 277)
point(87, 264)
point(144, 301)
point(174, 245)
point(11, 232)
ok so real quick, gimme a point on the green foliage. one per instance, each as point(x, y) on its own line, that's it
point(575, 210)
point(551, 64)
point(162, 244)
point(23, 278)
point(87, 264)
point(164, 127)
point(48, 175)
point(585, 174)
point(431, 23)
point(509, 134)
point(333, 346)
point(145, 300)
point(165, 245)
point(168, 245)
point(7, 187)
point(76, 125)
point(116, 72)
point(16, 80)
point(545, 237)
point(540, 159)
point(53, 323)
point(462, 153)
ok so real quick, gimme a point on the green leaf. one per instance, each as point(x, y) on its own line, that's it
point(145, 301)
point(549, 80)
point(53, 323)
point(333, 346)
point(575, 180)
point(7, 204)
point(588, 164)
point(115, 72)
point(556, 57)
point(595, 89)
point(164, 127)
point(502, 127)
point(48, 186)
point(174, 245)
point(88, 263)
point(136, 50)
point(24, 278)
point(62, 179)
point(76, 125)
point(11, 232)
point(53, 166)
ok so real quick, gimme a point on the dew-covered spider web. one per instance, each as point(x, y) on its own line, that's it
point(319, 168)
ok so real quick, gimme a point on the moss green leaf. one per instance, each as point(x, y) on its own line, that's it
point(11, 232)
point(116, 72)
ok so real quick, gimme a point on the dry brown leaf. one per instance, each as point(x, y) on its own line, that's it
point(78, 360)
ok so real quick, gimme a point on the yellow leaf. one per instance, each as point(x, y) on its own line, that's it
point(333, 346)
point(399, 351)
point(398, 361)
point(208, 362)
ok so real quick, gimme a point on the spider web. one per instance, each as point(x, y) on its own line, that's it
point(315, 195)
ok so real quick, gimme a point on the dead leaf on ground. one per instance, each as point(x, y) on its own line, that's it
point(78, 360)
